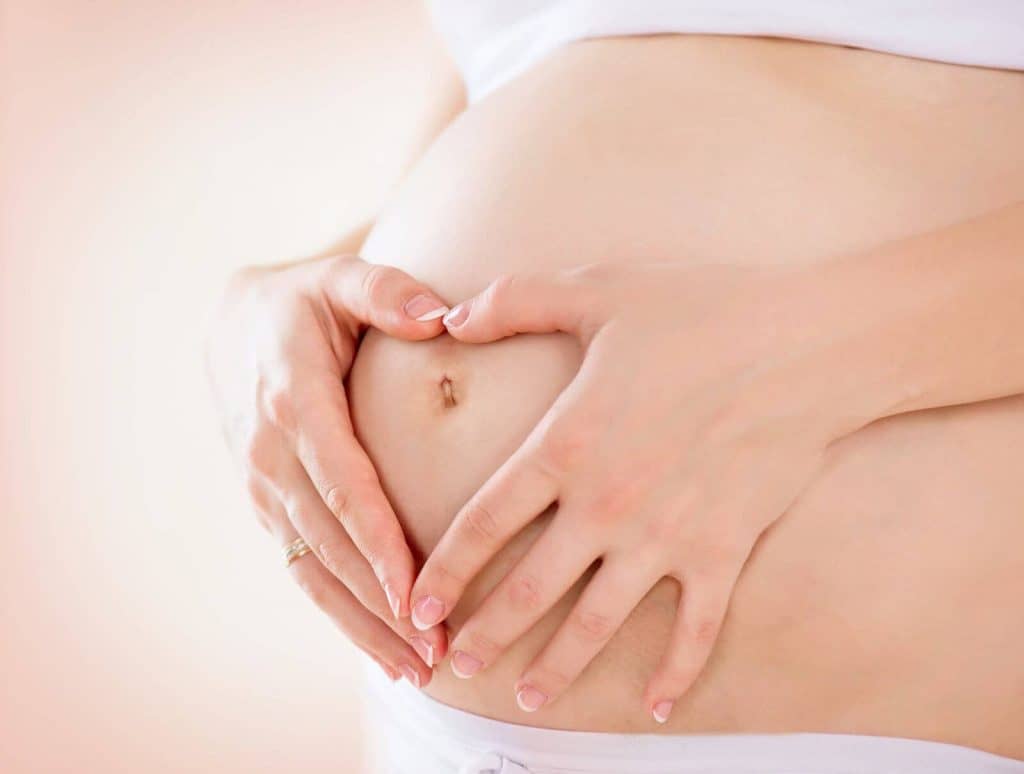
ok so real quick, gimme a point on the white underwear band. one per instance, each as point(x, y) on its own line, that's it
point(412, 733)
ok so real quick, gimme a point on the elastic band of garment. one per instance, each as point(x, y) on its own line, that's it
point(441, 738)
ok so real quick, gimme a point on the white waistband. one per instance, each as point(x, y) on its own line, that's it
point(419, 735)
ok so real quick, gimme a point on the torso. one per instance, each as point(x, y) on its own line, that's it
point(888, 600)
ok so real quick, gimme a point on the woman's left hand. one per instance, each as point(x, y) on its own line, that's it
point(691, 426)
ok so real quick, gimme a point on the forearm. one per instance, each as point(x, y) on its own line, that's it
point(934, 320)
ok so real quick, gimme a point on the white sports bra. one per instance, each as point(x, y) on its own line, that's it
point(492, 41)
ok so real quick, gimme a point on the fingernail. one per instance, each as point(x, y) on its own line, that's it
point(423, 649)
point(410, 674)
point(662, 710)
point(393, 601)
point(530, 699)
point(457, 316)
point(465, 665)
point(423, 308)
point(426, 612)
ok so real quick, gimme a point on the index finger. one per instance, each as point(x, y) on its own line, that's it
point(346, 481)
point(543, 302)
point(384, 297)
point(517, 493)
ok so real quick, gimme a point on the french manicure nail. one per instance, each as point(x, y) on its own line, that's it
point(393, 601)
point(426, 612)
point(456, 316)
point(423, 308)
point(410, 674)
point(661, 710)
point(423, 649)
point(530, 699)
point(465, 665)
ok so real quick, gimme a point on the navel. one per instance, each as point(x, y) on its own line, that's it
point(448, 393)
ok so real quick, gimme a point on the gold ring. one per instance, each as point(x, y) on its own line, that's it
point(294, 550)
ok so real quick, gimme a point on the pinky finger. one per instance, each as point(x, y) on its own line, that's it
point(368, 632)
point(702, 608)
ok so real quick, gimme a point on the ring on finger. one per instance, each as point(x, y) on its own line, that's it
point(292, 551)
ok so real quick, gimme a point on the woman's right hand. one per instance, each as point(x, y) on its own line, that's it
point(277, 357)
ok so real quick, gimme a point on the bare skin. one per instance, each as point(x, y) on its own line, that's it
point(884, 601)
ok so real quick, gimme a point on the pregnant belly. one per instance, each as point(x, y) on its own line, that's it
point(887, 601)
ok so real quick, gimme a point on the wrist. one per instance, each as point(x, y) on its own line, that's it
point(831, 355)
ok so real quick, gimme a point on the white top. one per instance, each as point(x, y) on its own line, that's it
point(493, 41)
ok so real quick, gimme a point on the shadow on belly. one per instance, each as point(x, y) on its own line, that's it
point(878, 604)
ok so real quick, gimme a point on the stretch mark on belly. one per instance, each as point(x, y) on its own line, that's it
point(448, 393)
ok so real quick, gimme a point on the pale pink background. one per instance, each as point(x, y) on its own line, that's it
point(149, 147)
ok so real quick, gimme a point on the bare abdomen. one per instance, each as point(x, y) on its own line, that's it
point(888, 600)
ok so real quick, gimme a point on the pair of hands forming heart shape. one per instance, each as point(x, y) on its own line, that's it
point(691, 426)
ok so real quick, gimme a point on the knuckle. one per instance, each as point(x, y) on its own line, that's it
point(497, 297)
point(445, 576)
point(613, 501)
point(479, 524)
point(523, 592)
point(592, 626)
point(500, 288)
point(331, 556)
point(663, 528)
point(255, 490)
point(278, 398)
point(337, 498)
point(571, 431)
point(375, 281)
point(379, 540)
point(717, 552)
point(345, 489)
point(563, 446)
point(258, 455)
point(294, 512)
point(589, 283)
point(480, 645)
point(279, 407)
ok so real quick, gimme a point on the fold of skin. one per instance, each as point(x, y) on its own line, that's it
point(884, 601)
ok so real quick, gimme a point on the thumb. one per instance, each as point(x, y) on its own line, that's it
point(384, 297)
point(521, 303)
